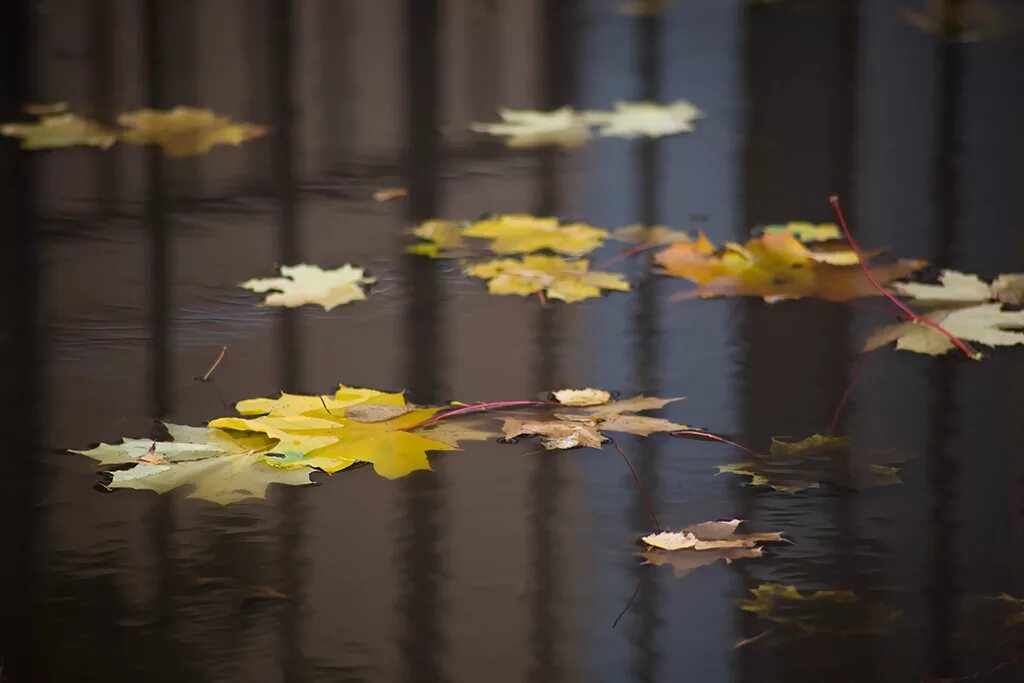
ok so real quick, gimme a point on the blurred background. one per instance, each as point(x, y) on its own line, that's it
point(121, 270)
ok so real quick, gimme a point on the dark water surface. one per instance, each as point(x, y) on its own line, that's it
point(503, 564)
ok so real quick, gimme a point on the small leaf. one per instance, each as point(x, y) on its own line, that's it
point(955, 287)
point(305, 284)
point(185, 131)
point(582, 397)
point(710, 536)
point(646, 119)
point(521, 234)
point(985, 324)
point(555, 434)
point(524, 128)
point(60, 130)
point(806, 232)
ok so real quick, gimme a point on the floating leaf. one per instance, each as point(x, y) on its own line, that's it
point(654, 234)
point(521, 234)
point(569, 281)
point(806, 232)
point(442, 238)
point(555, 434)
point(955, 287)
point(223, 467)
point(386, 194)
point(582, 397)
point(185, 131)
point(524, 128)
point(775, 267)
point(636, 404)
point(60, 130)
point(792, 467)
point(305, 284)
point(645, 119)
point(835, 611)
point(958, 21)
point(710, 536)
point(1009, 289)
point(985, 324)
point(45, 109)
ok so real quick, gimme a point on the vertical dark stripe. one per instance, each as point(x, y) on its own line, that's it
point(102, 26)
point(290, 351)
point(22, 358)
point(941, 587)
point(336, 79)
point(421, 601)
point(645, 655)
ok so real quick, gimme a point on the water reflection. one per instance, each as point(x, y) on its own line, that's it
point(365, 579)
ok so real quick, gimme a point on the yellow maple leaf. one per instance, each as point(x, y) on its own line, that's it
point(60, 130)
point(439, 237)
point(185, 131)
point(521, 234)
point(774, 266)
point(569, 281)
point(805, 231)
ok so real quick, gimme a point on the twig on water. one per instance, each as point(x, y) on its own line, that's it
point(220, 357)
point(910, 315)
point(623, 255)
point(639, 486)
point(697, 433)
point(754, 639)
point(632, 598)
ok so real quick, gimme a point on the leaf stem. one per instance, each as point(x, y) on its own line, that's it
point(477, 408)
point(713, 437)
point(623, 255)
point(639, 486)
point(911, 316)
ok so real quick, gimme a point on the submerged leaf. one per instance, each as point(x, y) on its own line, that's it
point(984, 324)
point(305, 284)
point(646, 119)
point(835, 611)
point(60, 130)
point(521, 234)
point(792, 467)
point(774, 266)
point(569, 281)
point(185, 131)
point(524, 128)
point(654, 234)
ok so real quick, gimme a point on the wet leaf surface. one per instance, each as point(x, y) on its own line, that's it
point(568, 281)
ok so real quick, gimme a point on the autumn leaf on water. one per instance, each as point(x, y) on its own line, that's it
point(185, 131)
point(956, 287)
point(60, 130)
point(386, 194)
point(646, 119)
point(568, 281)
point(794, 466)
point(985, 324)
point(653, 234)
point(818, 611)
point(306, 284)
point(703, 544)
point(522, 234)
point(584, 427)
point(507, 234)
point(221, 466)
point(525, 128)
point(582, 397)
point(958, 21)
point(773, 266)
point(806, 232)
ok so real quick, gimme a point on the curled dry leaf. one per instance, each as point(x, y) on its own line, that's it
point(555, 434)
point(774, 266)
point(985, 324)
point(185, 131)
point(710, 536)
point(306, 284)
point(524, 128)
point(569, 281)
point(60, 130)
point(582, 397)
